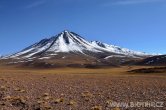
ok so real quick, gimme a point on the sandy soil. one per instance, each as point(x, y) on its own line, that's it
point(82, 91)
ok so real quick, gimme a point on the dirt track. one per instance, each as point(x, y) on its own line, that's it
point(78, 91)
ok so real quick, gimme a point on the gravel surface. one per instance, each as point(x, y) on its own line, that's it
point(79, 91)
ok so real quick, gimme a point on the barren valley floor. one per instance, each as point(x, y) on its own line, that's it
point(78, 89)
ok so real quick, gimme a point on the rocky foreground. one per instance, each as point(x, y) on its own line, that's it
point(79, 91)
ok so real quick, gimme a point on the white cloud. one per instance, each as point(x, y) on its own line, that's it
point(36, 4)
point(131, 2)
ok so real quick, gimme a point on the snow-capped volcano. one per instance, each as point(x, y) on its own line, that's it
point(67, 42)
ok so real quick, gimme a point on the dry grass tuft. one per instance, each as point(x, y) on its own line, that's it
point(72, 102)
point(47, 108)
point(96, 108)
point(3, 88)
point(87, 95)
point(108, 102)
point(116, 108)
point(7, 98)
point(59, 100)
point(16, 101)
point(46, 94)
point(20, 90)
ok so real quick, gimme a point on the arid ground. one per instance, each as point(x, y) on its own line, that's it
point(79, 89)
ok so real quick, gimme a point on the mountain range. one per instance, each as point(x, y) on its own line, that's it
point(71, 50)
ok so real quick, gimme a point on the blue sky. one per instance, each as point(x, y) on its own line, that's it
point(134, 24)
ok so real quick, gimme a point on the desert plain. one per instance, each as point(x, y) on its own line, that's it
point(80, 89)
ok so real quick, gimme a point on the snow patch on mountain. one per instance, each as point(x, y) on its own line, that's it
point(42, 58)
point(111, 56)
point(116, 49)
